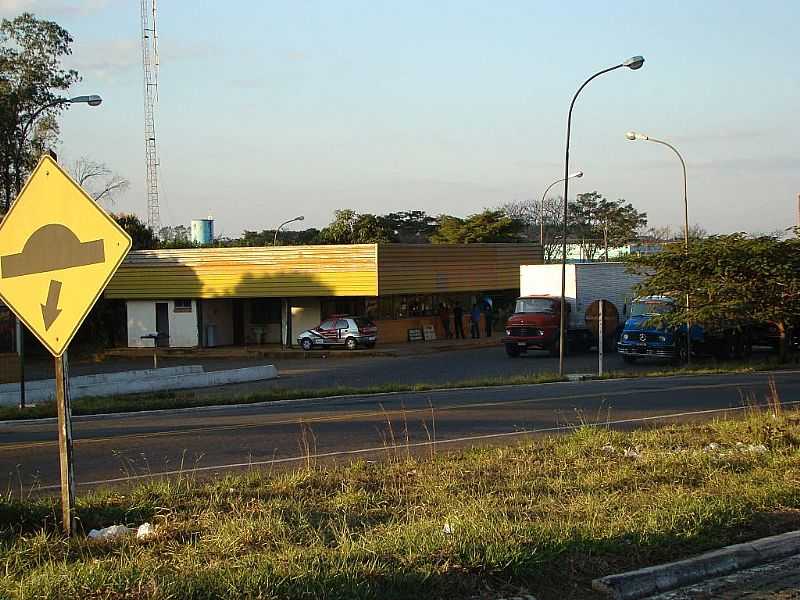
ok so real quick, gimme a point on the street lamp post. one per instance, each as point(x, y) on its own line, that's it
point(275, 240)
point(541, 214)
point(633, 135)
point(632, 63)
point(91, 100)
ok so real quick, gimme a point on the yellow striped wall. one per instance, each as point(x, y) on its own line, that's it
point(435, 268)
point(296, 271)
point(262, 272)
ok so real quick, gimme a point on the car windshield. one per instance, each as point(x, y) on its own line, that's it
point(651, 307)
point(535, 305)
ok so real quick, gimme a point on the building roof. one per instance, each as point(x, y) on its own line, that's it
point(329, 270)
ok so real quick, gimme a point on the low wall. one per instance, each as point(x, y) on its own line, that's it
point(396, 330)
point(136, 382)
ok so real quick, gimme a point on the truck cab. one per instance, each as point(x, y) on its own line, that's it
point(534, 325)
point(645, 335)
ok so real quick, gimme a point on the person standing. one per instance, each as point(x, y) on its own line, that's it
point(444, 317)
point(475, 321)
point(487, 316)
point(458, 321)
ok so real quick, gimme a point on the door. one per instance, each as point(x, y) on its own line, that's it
point(342, 331)
point(327, 330)
point(162, 324)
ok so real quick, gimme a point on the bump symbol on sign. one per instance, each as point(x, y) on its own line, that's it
point(52, 248)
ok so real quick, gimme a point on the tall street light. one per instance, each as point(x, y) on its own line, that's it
point(541, 214)
point(633, 135)
point(91, 100)
point(633, 63)
point(275, 241)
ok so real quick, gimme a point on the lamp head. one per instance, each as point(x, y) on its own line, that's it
point(576, 174)
point(634, 135)
point(634, 62)
point(91, 100)
point(300, 218)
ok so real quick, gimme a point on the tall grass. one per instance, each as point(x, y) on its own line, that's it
point(545, 515)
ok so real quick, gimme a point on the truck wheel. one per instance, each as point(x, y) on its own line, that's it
point(628, 359)
point(512, 350)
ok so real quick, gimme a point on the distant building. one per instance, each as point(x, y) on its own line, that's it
point(267, 295)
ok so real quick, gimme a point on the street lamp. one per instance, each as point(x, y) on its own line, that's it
point(633, 136)
point(91, 100)
point(541, 215)
point(275, 241)
point(633, 63)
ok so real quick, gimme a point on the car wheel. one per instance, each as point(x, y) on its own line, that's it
point(350, 343)
point(512, 350)
point(306, 344)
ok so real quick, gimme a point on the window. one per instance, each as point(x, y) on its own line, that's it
point(535, 305)
point(342, 324)
point(327, 325)
point(183, 305)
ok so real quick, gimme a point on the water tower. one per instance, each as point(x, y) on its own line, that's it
point(203, 231)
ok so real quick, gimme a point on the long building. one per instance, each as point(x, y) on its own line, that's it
point(266, 295)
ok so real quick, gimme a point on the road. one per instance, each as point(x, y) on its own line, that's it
point(213, 439)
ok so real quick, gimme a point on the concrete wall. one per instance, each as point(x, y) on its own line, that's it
point(305, 315)
point(218, 313)
point(142, 320)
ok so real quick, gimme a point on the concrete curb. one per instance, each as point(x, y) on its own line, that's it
point(663, 578)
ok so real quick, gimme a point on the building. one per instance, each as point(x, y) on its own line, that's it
point(266, 295)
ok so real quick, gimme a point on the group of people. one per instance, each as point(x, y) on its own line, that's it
point(483, 308)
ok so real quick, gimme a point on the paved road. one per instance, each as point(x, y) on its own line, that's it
point(319, 372)
point(114, 446)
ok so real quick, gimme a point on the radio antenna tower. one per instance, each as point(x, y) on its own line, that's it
point(150, 64)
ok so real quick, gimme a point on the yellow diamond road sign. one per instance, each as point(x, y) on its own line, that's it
point(58, 250)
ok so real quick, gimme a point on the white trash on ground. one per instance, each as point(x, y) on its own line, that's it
point(107, 533)
point(145, 531)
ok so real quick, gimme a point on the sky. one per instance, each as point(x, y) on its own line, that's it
point(268, 110)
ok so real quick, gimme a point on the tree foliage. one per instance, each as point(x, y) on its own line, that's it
point(350, 227)
point(31, 76)
point(489, 226)
point(410, 227)
point(540, 219)
point(731, 279)
point(144, 238)
point(598, 223)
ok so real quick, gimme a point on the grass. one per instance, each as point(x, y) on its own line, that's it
point(189, 399)
point(546, 516)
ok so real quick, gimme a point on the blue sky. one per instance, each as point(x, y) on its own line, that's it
point(272, 109)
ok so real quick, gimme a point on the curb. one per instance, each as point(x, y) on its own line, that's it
point(663, 578)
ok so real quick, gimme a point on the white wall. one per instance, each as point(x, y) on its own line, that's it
point(142, 320)
point(305, 315)
point(218, 313)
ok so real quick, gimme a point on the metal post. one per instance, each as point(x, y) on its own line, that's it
point(600, 338)
point(20, 334)
point(563, 324)
point(65, 444)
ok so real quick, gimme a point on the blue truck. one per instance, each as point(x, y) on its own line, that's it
point(646, 335)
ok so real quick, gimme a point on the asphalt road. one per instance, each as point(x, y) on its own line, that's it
point(214, 439)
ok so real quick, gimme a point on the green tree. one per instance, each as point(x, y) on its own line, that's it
point(350, 227)
point(731, 279)
point(31, 77)
point(532, 213)
point(411, 226)
point(144, 238)
point(598, 223)
point(485, 227)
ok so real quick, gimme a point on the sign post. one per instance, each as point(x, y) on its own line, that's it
point(600, 339)
point(58, 251)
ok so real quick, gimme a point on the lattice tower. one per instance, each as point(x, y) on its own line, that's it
point(150, 65)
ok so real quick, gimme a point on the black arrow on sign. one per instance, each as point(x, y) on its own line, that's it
point(50, 311)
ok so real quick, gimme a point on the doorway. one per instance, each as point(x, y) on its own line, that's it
point(162, 324)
